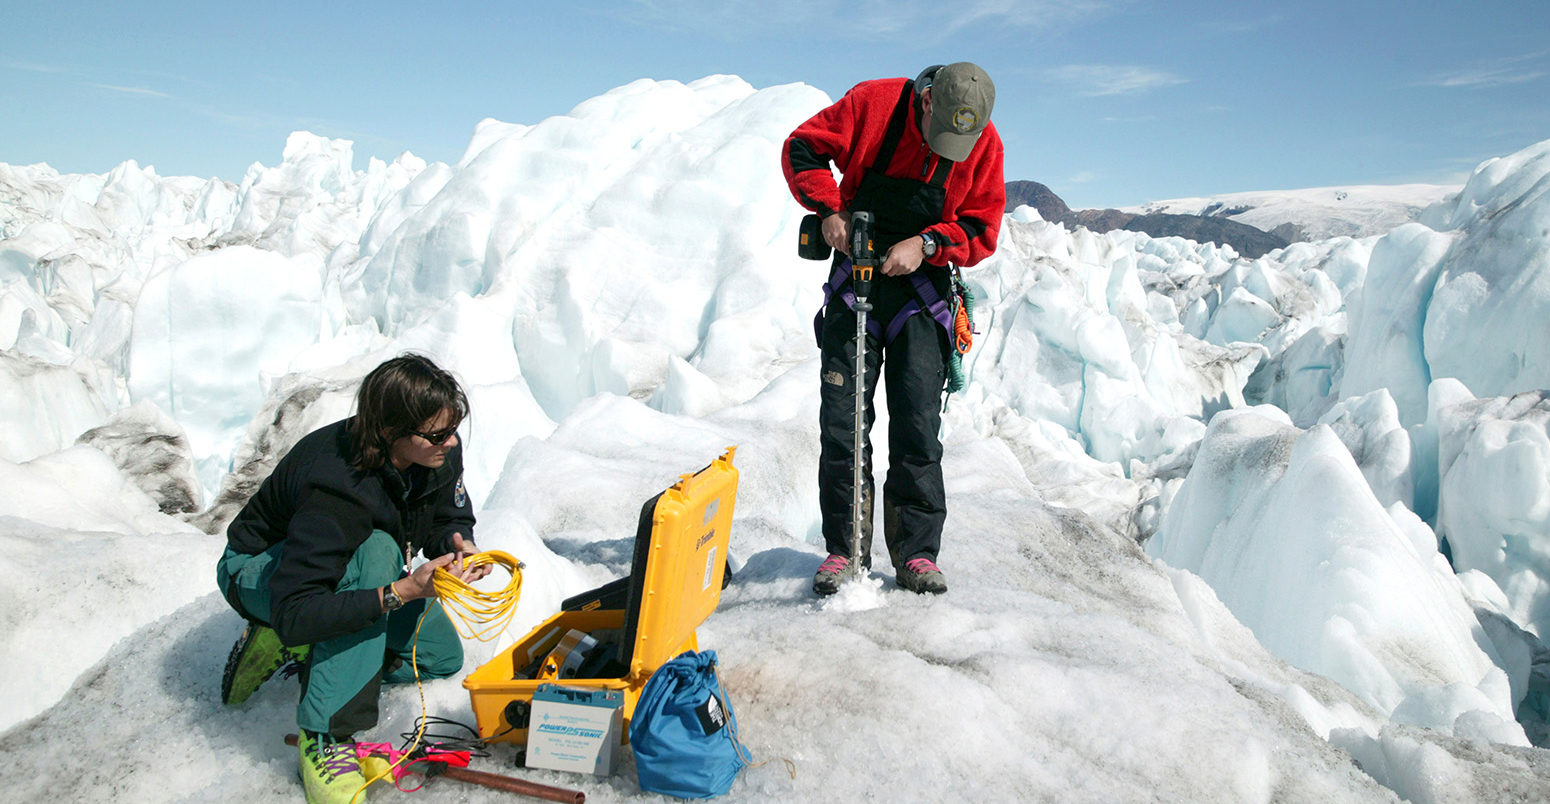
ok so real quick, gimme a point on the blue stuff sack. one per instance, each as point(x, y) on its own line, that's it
point(683, 731)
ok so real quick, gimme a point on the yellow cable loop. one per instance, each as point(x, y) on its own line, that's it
point(473, 608)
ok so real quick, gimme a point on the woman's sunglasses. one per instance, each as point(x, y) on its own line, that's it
point(437, 438)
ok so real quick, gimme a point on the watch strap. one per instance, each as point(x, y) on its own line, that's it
point(390, 599)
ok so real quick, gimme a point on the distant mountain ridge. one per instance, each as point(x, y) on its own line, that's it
point(1287, 216)
point(1247, 240)
point(1315, 213)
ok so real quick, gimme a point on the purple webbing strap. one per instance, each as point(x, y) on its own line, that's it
point(934, 304)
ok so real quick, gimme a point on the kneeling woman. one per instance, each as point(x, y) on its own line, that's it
point(318, 562)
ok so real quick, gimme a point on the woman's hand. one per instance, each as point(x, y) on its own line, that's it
point(461, 549)
point(419, 584)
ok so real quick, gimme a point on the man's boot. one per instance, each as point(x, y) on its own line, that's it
point(919, 575)
point(827, 580)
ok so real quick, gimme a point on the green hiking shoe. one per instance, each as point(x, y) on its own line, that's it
point(330, 771)
point(256, 656)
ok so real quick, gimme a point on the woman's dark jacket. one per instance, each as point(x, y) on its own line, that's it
point(322, 508)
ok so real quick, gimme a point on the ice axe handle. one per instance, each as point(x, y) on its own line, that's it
point(496, 781)
point(862, 256)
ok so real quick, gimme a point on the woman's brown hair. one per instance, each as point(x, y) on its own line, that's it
point(397, 397)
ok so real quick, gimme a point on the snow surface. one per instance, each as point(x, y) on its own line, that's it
point(1200, 505)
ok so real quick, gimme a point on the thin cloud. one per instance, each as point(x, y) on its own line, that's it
point(1243, 26)
point(1495, 73)
point(251, 120)
point(78, 77)
point(142, 91)
point(1083, 177)
point(34, 67)
point(1097, 80)
point(916, 18)
point(1490, 78)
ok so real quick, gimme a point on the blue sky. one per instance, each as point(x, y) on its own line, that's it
point(1109, 102)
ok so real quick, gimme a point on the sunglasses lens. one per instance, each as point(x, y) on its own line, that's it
point(439, 437)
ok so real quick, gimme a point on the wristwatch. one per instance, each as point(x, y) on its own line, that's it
point(390, 599)
point(929, 249)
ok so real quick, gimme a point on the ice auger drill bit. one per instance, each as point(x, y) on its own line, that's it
point(862, 260)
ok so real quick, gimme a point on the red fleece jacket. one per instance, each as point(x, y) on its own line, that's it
point(850, 133)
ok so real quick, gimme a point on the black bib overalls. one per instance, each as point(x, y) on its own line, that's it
point(908, 350)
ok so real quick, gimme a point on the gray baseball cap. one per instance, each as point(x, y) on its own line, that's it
point(961, 98)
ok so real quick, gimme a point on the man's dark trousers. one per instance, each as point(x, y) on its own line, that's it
point(914, 366)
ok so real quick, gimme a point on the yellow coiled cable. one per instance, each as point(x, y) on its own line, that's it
point(484, 614)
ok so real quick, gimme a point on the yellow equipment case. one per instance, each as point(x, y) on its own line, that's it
point(675, 582)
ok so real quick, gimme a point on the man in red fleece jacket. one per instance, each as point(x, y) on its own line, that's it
point(923, 157)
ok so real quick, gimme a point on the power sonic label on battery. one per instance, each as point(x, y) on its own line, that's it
point(570, 731)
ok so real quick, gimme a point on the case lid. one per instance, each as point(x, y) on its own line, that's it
point(678, 570)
